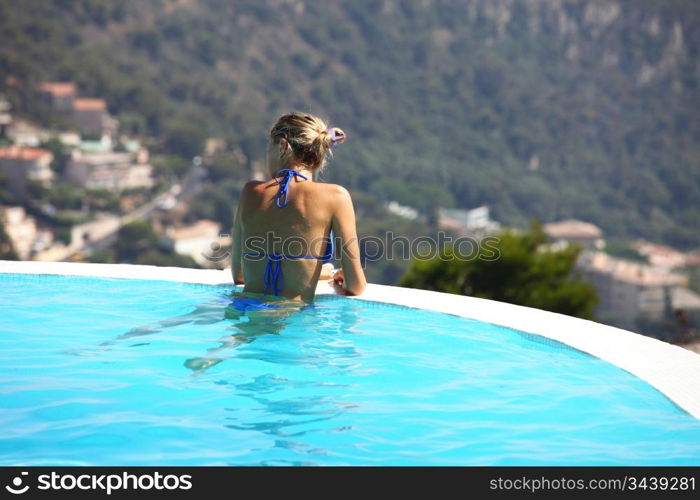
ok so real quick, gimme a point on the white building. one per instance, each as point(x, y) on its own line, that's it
point(21, 164)
point(59, 95)
point(202, 241)
point(660, 255)
point(476, 221)
point(25, 134)
point(109, 170)
point(402, 210)
point(21, 230)
point(5, 116)
point(628, 290)
point(575, 231)
point(92, 117)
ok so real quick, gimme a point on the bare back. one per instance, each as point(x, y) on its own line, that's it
point(301, 228)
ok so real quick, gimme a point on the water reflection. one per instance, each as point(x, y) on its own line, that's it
point(246, 326)
point(326, 348)
point(300, 410)
point(265, 321)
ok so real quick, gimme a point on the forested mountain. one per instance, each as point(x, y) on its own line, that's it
point(538, 108)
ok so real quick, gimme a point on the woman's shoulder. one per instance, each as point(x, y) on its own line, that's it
point(335, 190)
point(252, 187)
point(335, 196)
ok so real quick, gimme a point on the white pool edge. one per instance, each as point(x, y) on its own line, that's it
point(672, 370)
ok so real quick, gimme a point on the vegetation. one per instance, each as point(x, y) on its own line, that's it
point(526, 272)
point(168, 166)
point(60, 157)
point(537, 109)
point(624, 250)
point(65, 196)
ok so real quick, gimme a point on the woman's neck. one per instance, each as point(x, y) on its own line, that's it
point(299, 168)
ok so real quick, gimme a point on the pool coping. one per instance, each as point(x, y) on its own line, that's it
point(658, 363)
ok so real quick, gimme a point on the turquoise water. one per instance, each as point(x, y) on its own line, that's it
point(122, 372)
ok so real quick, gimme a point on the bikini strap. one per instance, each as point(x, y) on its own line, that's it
point(273, 274)
point(329, 249)
point(286, 174)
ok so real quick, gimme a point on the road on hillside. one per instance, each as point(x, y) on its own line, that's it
point(102, 234)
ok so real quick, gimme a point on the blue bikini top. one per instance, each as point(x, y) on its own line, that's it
point(283, 194)
point(273, 268)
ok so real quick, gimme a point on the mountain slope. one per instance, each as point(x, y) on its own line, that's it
point(548, 109)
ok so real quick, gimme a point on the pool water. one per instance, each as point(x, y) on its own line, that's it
point(126, 372)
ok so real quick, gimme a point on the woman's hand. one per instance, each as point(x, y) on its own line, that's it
point(337, 282)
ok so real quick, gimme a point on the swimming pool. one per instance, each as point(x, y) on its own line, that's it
point(107, 371)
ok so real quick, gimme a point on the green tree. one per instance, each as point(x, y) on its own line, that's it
point(65, 196)
point(166, 166)
point(60, 156)
point(134, 239)
point(36, 190)
point(184, 138)
point(516, 268)
point(158, 258)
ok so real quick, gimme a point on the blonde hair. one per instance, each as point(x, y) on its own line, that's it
point(309, 138)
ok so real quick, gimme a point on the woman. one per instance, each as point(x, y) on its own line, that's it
point(285, 226)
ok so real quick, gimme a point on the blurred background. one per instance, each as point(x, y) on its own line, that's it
point(569, 129)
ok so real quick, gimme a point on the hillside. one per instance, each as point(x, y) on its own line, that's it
point(549, 109)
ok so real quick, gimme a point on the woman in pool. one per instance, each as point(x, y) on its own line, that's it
point(282, 231)
point(285, 226)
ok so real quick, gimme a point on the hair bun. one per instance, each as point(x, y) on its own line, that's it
point(309, 137)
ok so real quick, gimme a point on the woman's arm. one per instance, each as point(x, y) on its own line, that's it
point(352, 275)
point(236, 248)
